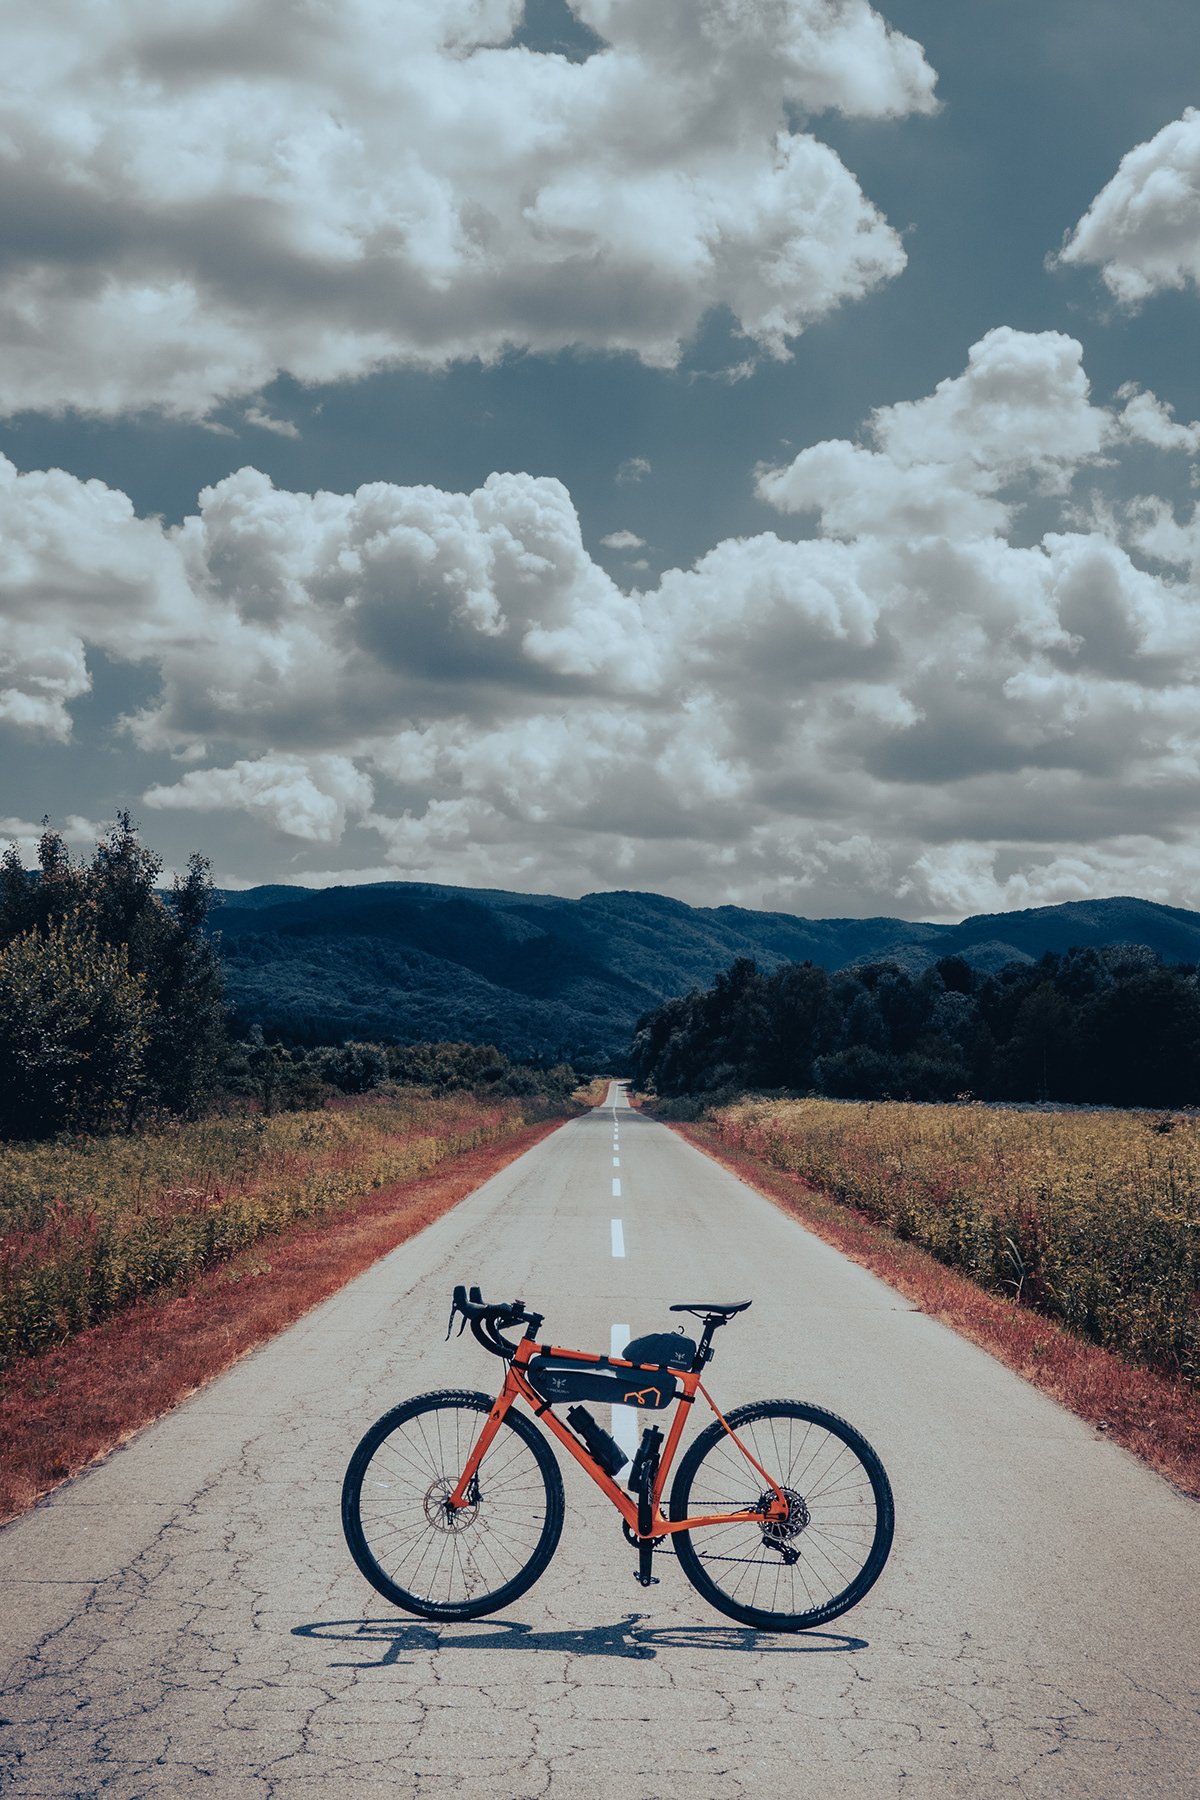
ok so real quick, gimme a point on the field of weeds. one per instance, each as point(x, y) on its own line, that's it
point(1092, 1219)
point(90, 1225)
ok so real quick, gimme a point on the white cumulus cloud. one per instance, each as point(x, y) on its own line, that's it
point(1142, 231)
point(930, 703)
point(1020, 412)
point(1148, 420)
point(192, 200)
point(303, 797)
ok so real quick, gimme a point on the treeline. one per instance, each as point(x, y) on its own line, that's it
point(113, 1012)
point(1112, 1026)
point(279, 1078)
point(111, 1001)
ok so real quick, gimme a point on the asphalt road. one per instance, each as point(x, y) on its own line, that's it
point(185, 1621)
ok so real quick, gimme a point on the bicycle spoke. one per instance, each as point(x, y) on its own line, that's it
point(794, 1568)
point(447, 1558)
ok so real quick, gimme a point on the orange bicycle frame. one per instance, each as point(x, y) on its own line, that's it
point(517, 1385)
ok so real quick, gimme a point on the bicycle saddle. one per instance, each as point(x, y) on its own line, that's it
point(711, 1308)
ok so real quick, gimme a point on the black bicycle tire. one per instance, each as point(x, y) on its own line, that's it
point(356, 1538)
point(762, 1618)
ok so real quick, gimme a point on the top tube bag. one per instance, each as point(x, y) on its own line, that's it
point(670, 1347)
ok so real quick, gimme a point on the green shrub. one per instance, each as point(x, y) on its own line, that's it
point(159, 941)
point(74, 1030)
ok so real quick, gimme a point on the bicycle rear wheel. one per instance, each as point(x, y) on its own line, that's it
point(411, 1547)
point(836, 1538)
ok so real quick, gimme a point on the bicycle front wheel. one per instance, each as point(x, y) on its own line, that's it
point(411, 1547)
point(830, 1550)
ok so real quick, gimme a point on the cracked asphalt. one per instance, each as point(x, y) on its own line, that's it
point(185, 1621)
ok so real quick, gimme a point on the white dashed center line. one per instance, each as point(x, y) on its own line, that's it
point(624, 1418)
point(616, 1162)
point(618, 1238)
point(616, 1187)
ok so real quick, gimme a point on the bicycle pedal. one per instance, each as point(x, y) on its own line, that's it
point(645, 1580)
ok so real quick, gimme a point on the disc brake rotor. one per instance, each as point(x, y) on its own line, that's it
point(444, 1516)
point(778, 1531)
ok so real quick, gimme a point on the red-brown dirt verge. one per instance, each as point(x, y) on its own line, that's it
point(1158, 1420)
point(65, 1409)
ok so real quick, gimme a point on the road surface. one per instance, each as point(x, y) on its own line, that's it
point(184, 1620)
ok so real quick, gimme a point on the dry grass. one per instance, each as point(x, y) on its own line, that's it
point(592, 1093)
point(89, 1226)
point(61, 1410)
point(1092, 1219)
point(1155, 1417)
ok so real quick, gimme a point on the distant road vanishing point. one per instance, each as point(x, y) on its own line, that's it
point(185, 1621)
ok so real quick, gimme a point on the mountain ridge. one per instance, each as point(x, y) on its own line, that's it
point(547, 978)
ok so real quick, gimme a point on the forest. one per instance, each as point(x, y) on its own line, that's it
point(552, 980)
point(1109, 1026)
point(113, 1013)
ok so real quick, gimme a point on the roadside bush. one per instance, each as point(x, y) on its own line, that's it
point(116, 920)
point(479, 1068)
point(274, 1078)
point(74, 1031)
point(351, 1068)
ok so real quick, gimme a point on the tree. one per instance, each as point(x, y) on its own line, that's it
point(1091, 1025)
point(801, 1021)
point(857, 1073)
point(163, 940)
point(189, 1037)
point(1142, 1040)
point(862, 1023)
point(1038, 1061)
point(354, 1068)
point(74, 1030)
point(280, 1080)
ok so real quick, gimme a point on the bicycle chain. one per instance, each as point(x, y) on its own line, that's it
point(706, 1556)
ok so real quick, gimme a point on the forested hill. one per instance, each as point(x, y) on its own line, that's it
point(542, 977)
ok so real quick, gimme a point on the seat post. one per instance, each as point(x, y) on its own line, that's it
point(704, 1347)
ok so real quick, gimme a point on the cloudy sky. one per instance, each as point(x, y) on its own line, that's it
point(743, 449)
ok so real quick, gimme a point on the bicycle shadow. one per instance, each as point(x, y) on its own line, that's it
point(626, 1637)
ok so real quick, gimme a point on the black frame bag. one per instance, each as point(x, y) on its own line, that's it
point(560, 1378)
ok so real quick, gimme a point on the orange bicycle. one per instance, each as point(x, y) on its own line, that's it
point(781, 1514)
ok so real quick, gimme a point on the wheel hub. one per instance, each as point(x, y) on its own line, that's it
point(778, 1531)
point(439, 1511)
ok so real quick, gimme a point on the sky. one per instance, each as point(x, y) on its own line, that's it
point(740, 449)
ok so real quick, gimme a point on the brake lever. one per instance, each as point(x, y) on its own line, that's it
point(456, 1307)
